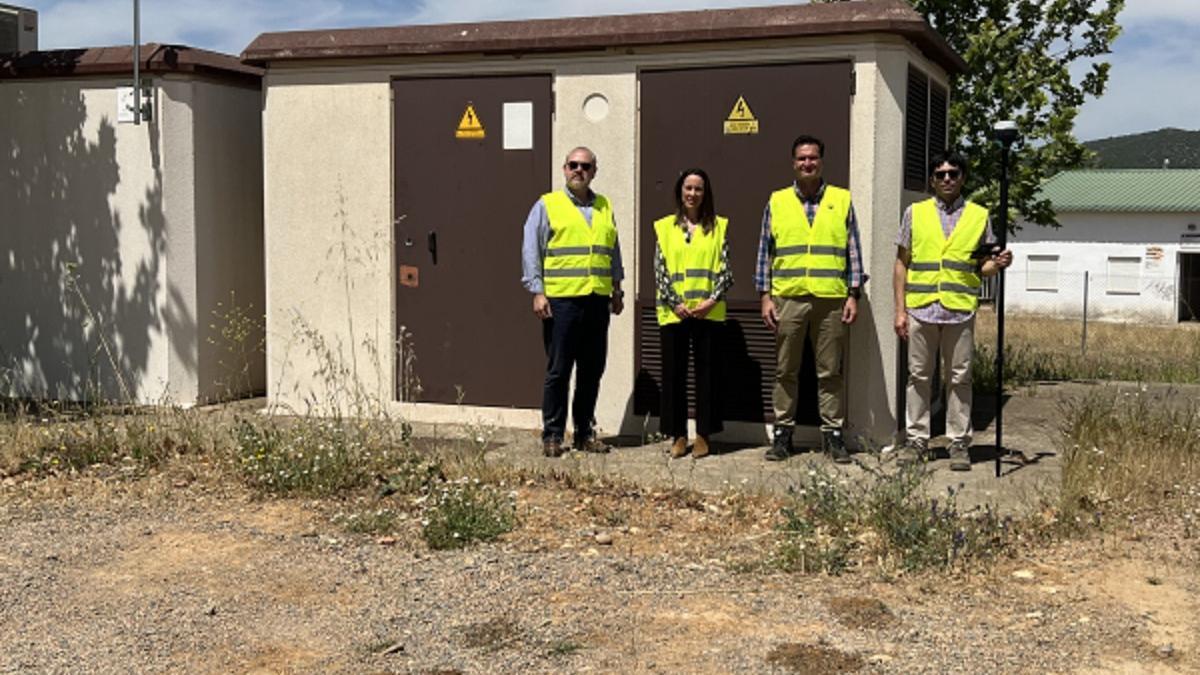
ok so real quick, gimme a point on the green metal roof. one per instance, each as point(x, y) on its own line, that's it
point(1127, 190)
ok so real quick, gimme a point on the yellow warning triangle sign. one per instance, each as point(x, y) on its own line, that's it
point(741, 120)
point(470, 126)
point(741, 110)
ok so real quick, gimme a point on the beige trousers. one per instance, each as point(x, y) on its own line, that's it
point(956, 343)
point(798, 317)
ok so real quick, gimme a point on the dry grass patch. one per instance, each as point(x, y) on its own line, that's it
point(1128, 451)
point(859, 612)
point(1043, 348)
point(814, 659)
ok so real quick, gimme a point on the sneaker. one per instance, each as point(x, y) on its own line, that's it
point(831, 442)
point(960, 457)
point(552, 447)
point(781, 445)
point(591, 444)
point(912, 451)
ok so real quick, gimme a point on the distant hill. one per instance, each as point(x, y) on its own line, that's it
point(1148, 150)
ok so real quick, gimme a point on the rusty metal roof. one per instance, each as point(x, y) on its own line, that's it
point(604, 32)
point(156, 58)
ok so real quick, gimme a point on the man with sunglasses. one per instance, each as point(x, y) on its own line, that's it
point(809, 276)
point(944, 247)
point(571, 263)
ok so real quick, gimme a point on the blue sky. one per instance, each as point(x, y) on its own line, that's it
point(1155, 79)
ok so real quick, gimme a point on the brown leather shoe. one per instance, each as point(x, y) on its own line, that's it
point(552, 447)
point(679, 447)
point(700, 449)
point(593, 445)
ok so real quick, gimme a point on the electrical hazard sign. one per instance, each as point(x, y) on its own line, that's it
point(741, 120)
point(470, 126)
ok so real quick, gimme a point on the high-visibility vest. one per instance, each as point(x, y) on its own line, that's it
point(693, 265)
point(578, 258)
point(810, 258)
point(941, 269)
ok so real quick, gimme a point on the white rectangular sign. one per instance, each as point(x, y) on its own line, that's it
point(518, 125)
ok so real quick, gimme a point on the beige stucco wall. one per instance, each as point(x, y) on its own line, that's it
point(78, 188)
point(119, 201)
point(311, 207)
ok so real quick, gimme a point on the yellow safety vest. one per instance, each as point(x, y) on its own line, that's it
point(941, 269)
point(693, 265)
point(578, 258)
point(810, 258)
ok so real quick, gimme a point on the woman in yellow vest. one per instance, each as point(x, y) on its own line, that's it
point(691, 270)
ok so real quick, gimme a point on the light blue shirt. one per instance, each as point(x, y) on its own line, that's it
point(537, 238)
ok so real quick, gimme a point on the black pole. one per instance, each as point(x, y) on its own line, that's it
point(1002, 238)
point(137, 58)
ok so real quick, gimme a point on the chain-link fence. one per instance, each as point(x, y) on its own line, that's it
point(1089, 325)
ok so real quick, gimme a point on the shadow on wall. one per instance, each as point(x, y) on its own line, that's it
point(80, 320)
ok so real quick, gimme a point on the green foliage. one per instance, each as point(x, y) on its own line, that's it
point(830, 521)
point(465, 511)
point(312, 455)
point(134, 441)
point(1019, 55)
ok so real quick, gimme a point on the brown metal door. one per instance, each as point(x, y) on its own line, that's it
point(683, 115)
point(461, 201)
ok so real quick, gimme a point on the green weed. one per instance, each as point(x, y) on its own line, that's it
point(465, 511)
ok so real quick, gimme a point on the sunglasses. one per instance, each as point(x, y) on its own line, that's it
point(952, 174)
point(586, 166)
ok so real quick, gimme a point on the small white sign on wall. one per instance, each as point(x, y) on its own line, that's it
point(125, 105)
point(518, 125)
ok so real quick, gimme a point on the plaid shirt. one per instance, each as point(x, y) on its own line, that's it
point(855, 277)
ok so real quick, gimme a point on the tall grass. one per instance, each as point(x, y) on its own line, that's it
point(1129, 450)
point(1041, 348)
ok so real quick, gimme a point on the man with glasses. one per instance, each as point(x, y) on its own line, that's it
point(571, 263)
point(944, 247)
point(809, 276)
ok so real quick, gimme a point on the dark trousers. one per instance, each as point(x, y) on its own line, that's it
point(702, 336)
point(575, 336)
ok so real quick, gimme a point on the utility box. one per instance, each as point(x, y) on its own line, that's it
point(18, 29)
point(396, 144)
point(126, 251)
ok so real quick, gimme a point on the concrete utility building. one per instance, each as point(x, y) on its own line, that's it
point(400, 164)
point(1132, 233)
point(121, 243)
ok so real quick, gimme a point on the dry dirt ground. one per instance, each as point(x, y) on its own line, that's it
point(175, 572)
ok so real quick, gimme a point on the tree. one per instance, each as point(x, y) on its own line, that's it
point(1019, 55)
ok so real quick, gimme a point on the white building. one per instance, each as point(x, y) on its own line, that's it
point(1130, 236)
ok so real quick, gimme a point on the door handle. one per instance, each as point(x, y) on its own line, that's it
point(433, 245)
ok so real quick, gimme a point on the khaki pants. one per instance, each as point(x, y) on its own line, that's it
point(798, 317)
point(956, 342)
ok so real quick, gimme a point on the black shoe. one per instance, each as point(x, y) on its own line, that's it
point(781, 445)
point(831, 442)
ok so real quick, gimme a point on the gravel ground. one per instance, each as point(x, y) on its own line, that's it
point(151, 575)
